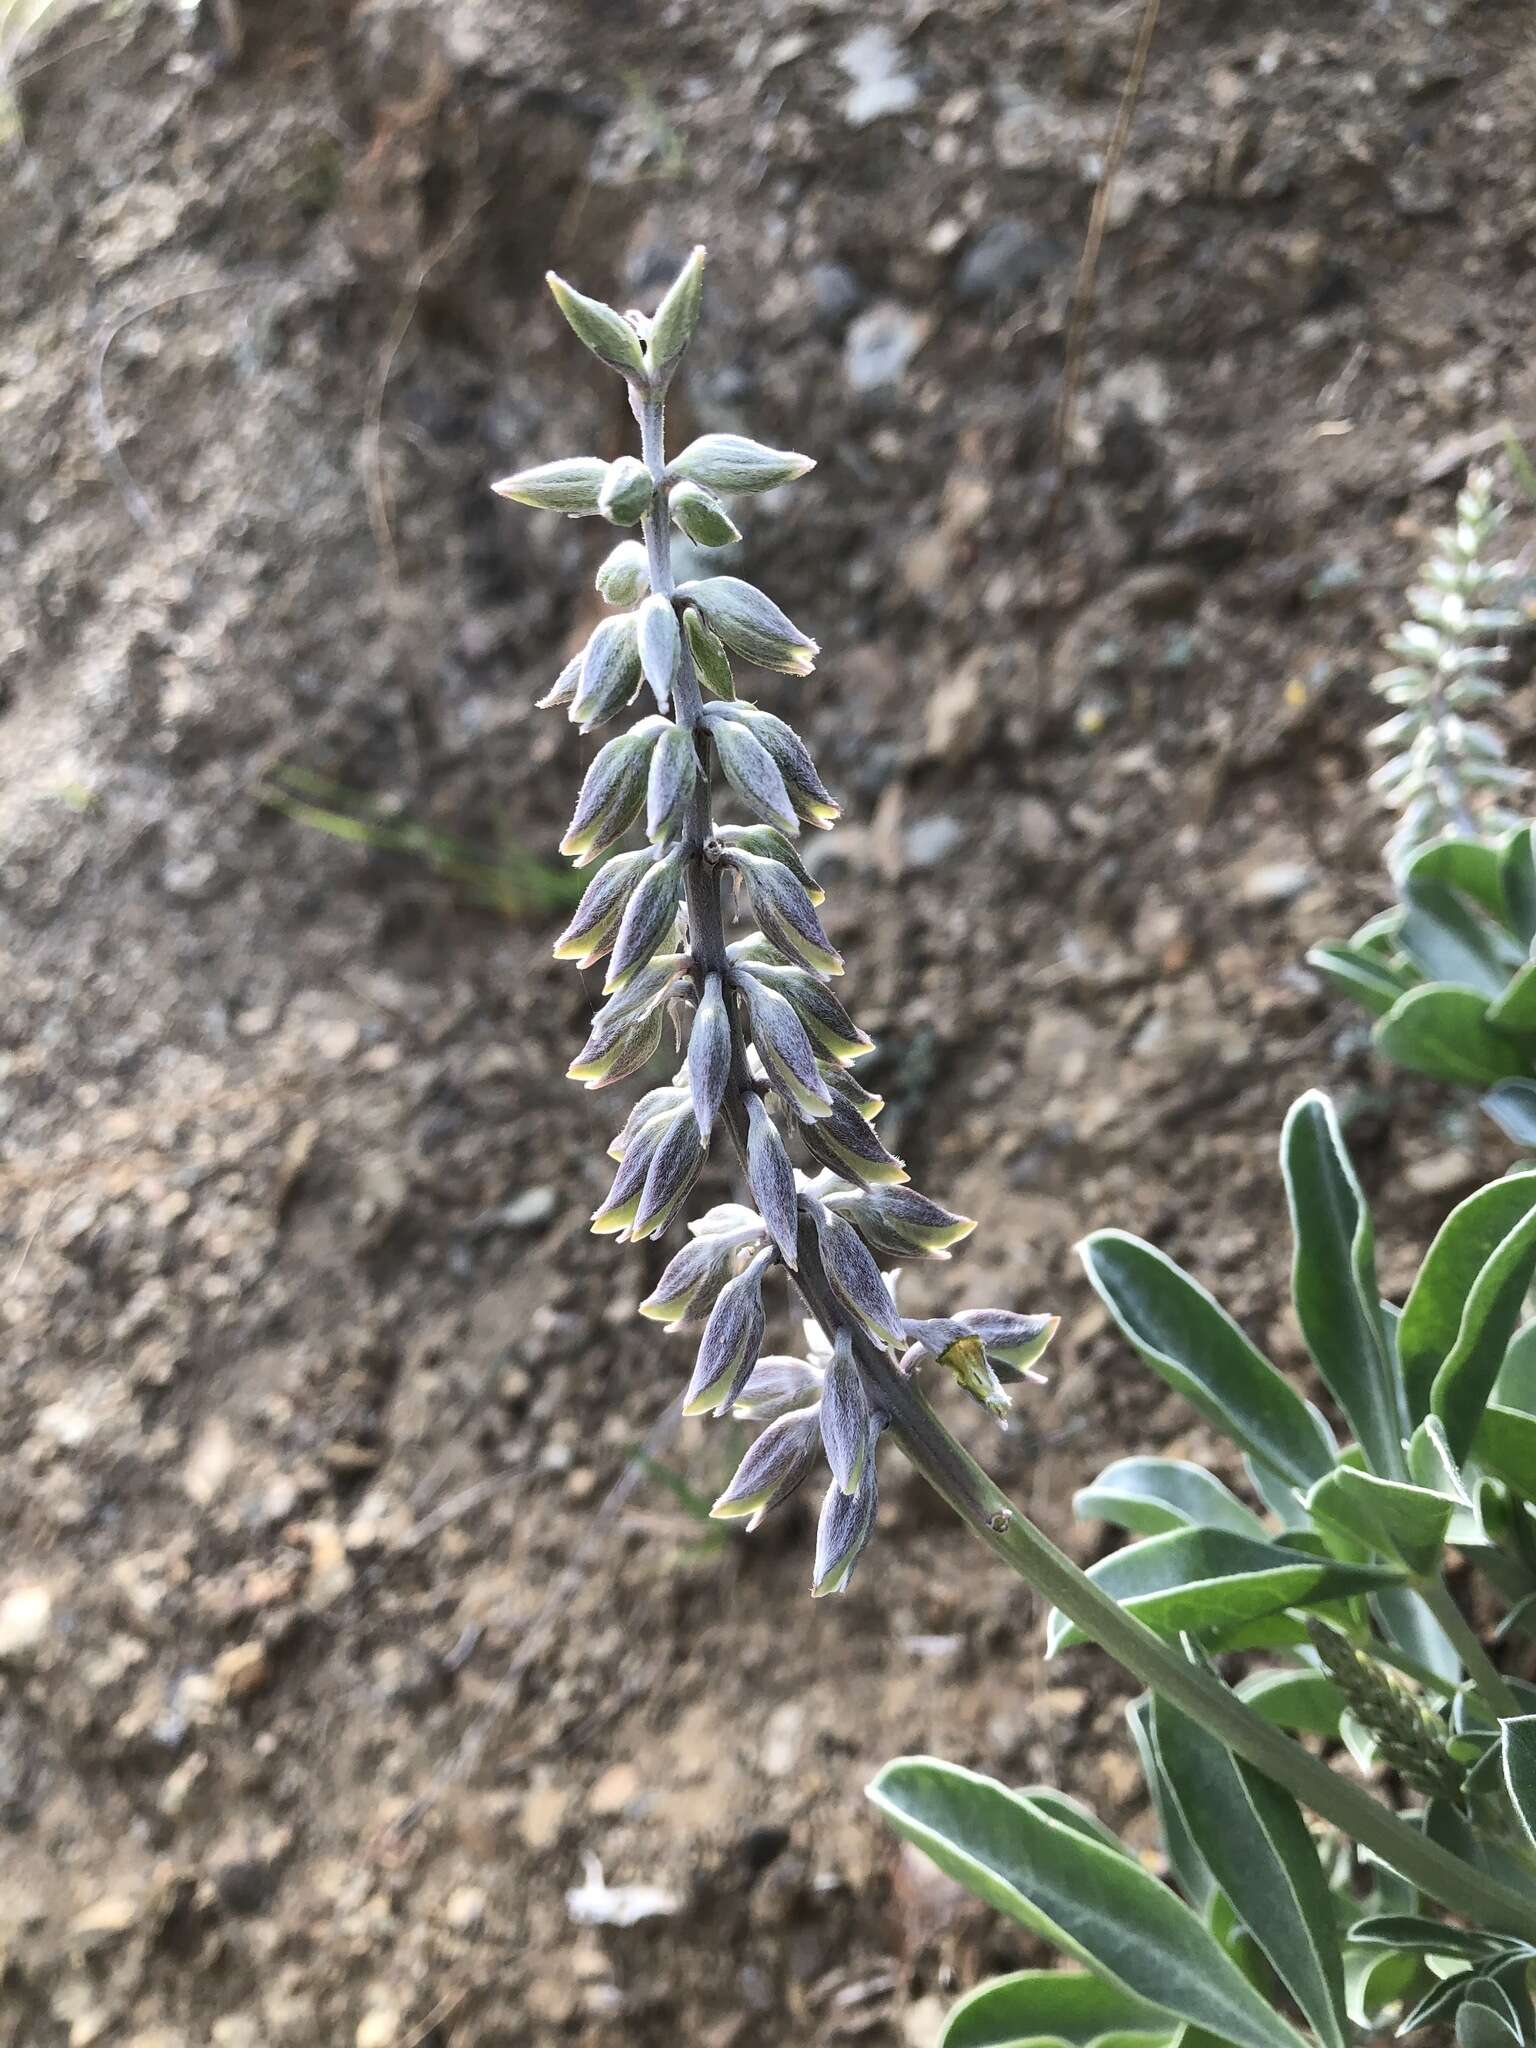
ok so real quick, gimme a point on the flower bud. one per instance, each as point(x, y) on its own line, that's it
point(673, 1171)
point(777, 1385)
point(691, 1281)
point(899, 1223)
point(675, 319)
point(562, 689)
point(960, 1352)
point(847, 1522)
point(730, 462)
point(732, 1339)
point(792, 758)
point(620, 1205)
point(612, 793)
point(785, 1049)
point(627, 491)
point(769, 843)
point(1012, 1342)
point(626, 1032)
point(843, 1140)
point(709, 1055)
point(610, 672)
point(570, 486)
point(752, 625)
point(625, 575)
point(701, 517)
point(845, 1416)
point(784, 913)
point(772, 1181)
point(661, 645)
point(648, 918)
point(855, 1279)
point(773, 1468)
point(607, 333)
point(673, 777)
point(653, 1108)
point(823, 1016)
point(590, 932)
point(732, 1219)
point(752, 773)
point(709, 657)
point(863, 1100)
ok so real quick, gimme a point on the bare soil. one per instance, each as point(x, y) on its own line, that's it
point(315, 1385)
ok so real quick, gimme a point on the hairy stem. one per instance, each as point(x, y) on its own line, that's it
point(960, 1481)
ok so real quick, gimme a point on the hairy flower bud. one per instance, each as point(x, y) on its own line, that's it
point(626, 1032)
point(732, 1338)
point(855, 1278)
point(847, 1522)
point(730, 462)
point(570, 486)
point(772, 1181)
point(751, 625)
point(899, 1223)
point(669, 789)
point(661, 645)
point(785, 1049)
point(773, 1468)
point(792, 758)
point(612, 793)
point(625, 575)
point(654, 1108)
point(709, 657)
point(961, 1353)
point(823, 1016)
point(691, 1281)
point(676, 317)
point(702, 517)
point(620, 1205)
point(751, 771)
point(843, 1140)
point(845, 1416)
point(709, 1055)
point(648, 918)
point(784, 913)
point(769, 843)
point(1012, 1342)
point(673, 1171)
point(627, 491)
point(590, 932)
point(562, 689)
point(610, 672)
point(777, 1385)
point(607, 333)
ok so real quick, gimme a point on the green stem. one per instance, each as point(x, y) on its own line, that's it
point(1498, 1697)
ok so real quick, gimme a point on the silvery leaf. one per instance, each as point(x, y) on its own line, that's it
point(611, 793)
point(610, 672)
point(732, 1338)
point(590, 932)
point(673, 778)
point(570, 486)
point(673, 1171)
point(785, 1049)
point(647, 919)
point(777, 1385)
point(661, 645)
point(856, 1280)
point(691, 1281)
point(627, 491)
point(607, 333)
point(562, 689)
point(701, 517)
point(751, 625)
point(845, 1416)
point(773, 1468)
point(625, 575)
point(772, 1181)
point(846, 1524)
point(753, 774)
point(730, 462)
point(709, 657)
point(709, 1055)
point(675, 319)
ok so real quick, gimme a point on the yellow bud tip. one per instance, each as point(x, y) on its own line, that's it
point(702, 1404)
point(663, 1311)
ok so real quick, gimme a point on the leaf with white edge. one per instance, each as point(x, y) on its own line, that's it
point(1303, 1702)
point(1255, 1843)
point(1512, 1105)
point(1506, 1447)
point(1187, 1338)
point(1462, 1386)
point(1188, 1867)
point(1428, 1937)
point(1514, 1010)
point(1098, 1906)
point(1206, 1582)
point(1447, 942)
point(1517, 1750)
point(1055, 2009)
point(1338, 1302)
point(1151, 1495)
point(1517, 885)
point(1432, 1314)
point(1354, 973)
point(1470, 865)
point(1405, 1522)
point(1443, 1030)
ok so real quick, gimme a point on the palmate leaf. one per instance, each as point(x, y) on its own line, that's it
point(1194, 1345)
point(1443, 1030)
point(1333, 1280)
point(1149, 1496)
point(1255, 1843)
point(1208, 1582)
point(1432, 1315)
point(1096, 1905)
point(1055, 2009)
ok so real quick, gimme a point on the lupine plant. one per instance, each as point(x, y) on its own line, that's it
point(1268, 1932)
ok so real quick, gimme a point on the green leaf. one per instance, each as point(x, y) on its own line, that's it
point(1356, 973)
point(1506, 1445)
point(1432, 1315)
point(1100, 1908)
point(1447, 942)
point(1405, 1522)
point(1054, 2009)
point(1483, 2022)
point(1197, 1348)
point(1517, 885)
point(1376, 1979)
point(1151, 1495)
point(1517, 1748)
point(1256, 1845)
point(1515, 1010)
point(1305, 1702)
point(1338, 1302)
point(1470, 865)
point(1444, 1031)
point(1207, 1581)
point(1429, 1937)
point(1516, 1384)
point(1512, 1105)
point(1464, 1382)
point(1185, 1863)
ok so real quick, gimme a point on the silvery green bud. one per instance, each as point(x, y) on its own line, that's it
point(785, 1049)
point(590, 932)
point(752, 772)
point(751, 625)
point(792, 757)
point(770, 844)
point(562, 689)
point(843, 1140)
point(784, 913)
point(608, 334)
point(626, 1032)
point(730, 462)
point(772, 1181)
point(570, 486)
point(612, 793)
point(661, 645)
point(960, 1352)
point(709, 657)
point(732, 1219)
point(709, 1055)
point(653, 1109)
point(625, 576)
point(691, 1281)
point(676, 317)
point(673, 1171)
point(817, 1008)
point(846, 1525)
point(855, 1278)
point(732, 1338)
point(845, 1416)
point(1013, 1343)
point(773, 1468)
point(701, 517)
point(777, 1385)
point(673, 777)
point(619, 1206)
point(627, 491)
point(899, 1223)
point(841, 1082)
point(648, 918)
point(610, 672)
